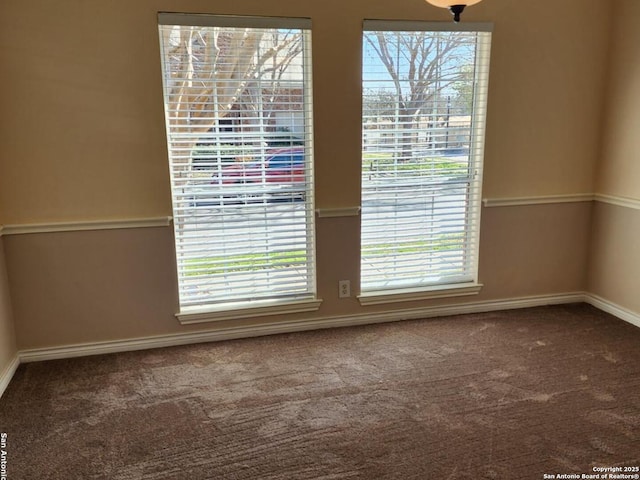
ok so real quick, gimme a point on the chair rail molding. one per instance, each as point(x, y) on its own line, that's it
point(626, 202)
point(78, 226)
point(338, 212)
point(617, 200)
point(537, 200)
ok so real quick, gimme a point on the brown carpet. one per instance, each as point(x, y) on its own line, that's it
point(504, 395)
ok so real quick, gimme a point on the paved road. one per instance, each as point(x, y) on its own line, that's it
point(259, 228)
point(281, 226)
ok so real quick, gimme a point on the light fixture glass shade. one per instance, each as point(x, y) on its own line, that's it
point(450, 3)
point(455, 6)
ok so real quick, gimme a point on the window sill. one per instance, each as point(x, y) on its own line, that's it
point(378, 297)
point(241, 310)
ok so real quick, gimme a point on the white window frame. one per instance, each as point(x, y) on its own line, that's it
point(263, 304)
point(374, 296)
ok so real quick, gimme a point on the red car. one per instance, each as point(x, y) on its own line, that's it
point(281, 165)
point(243, 182)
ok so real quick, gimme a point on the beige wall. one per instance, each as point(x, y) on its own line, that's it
point(77, 287)
point(82, 132)
point(547, 77)
point(619, 168)
point(615, 255)
point(82, 121)
point(7, 334)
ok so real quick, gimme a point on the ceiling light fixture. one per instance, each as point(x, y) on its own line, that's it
point(455, 6)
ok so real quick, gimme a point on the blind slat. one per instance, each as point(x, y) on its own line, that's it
point(424, 96)
point(239, 135)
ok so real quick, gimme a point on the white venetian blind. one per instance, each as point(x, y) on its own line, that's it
point(424, 103)
point(237, 94)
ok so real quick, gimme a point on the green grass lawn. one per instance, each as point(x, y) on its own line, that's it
point(252, 262)
point(384, 163)
point(442, 243)
point(246, 262)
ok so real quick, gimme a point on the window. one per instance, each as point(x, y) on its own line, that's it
point(237, 94)
point(424, 103)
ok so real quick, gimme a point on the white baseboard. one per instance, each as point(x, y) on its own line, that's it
point(612, 308)
point(8, 373)
point(230, 333)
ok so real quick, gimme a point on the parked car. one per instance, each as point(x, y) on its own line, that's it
point(283, 169)
point(281, 165)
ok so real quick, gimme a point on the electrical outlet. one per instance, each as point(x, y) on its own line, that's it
point(344, 288)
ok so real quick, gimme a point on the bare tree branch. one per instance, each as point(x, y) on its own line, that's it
point(211, 70)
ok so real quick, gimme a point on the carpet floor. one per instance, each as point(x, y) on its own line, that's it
point(504, 395)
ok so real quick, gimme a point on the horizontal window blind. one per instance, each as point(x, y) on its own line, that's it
point(238, 112)
point(424, 103)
